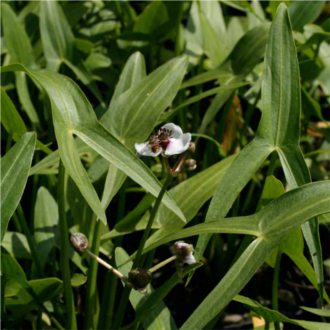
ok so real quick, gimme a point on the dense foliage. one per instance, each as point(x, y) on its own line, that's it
point(87, 84)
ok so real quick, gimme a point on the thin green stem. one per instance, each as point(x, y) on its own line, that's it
point(71, 322)
point(91, 291)
point(161, 264)
point(31, 241)
point(275, 287)
point(137, 261)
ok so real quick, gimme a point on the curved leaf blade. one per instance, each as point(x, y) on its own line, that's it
point(15, 166)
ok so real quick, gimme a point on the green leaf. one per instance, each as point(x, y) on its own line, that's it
point(16, 244)
point(249, 50)
point(10, 118)
point(136, 111)
point(234, 180)
point(11, 270)
point(294, 208)
point(73, 114)
point(241, 225)
point(15, 166)
point(45, 223)
point(133, 72)
point(272, 315)
point(279, 125)
point(17, 41)
point(44, 290)
point(273, 188)
point(234, 280)
point(304, 12)
point(25, 99)
point(285, 214)
point(317, 311)
point(56, 35)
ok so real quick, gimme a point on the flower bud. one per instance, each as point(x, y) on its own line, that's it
point(192, 147)
point(190, 164)
point(183, 252)
point(139, 278)
point(79, 242)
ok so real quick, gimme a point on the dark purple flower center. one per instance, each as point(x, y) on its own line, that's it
point(160, 140)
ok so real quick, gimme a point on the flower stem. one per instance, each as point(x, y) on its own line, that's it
point(91, 291)
point(31, 240)
point(64, 252)
point(275, 287)
point(137, 261)
point(162, 264)
point(108, 266)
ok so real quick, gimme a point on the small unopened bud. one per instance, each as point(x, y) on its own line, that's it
point(183, 252)
point(192, 146)
point(139, 278)
point(190, 164)
point(79, 242)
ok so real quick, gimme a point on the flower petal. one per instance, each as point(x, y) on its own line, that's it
point(176, 130)
point(144, 149)
point(189, 259)
point(178, 146)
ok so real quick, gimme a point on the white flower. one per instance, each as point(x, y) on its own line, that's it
point(184, 252)
point(168, 141)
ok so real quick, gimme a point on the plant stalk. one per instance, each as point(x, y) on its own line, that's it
point(275, 287)
point(91, 291)
point(137, 261)
point(71, 322)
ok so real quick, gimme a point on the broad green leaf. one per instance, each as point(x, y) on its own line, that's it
point(10, 118)
point(272, 315)
point(133, 72)
point(249, 50)
point(45, 223)
point(304, 12)
point(294, 208)
point(73, 114)
point(285, 213)
point(231, 284)
point(16, 244)
point(281, 107)
point(56, 35)
point(159, 317)
point(44, 289)
point(17, 41)
point(86, 78)
point(15, 166)
point(234, 180)
point(280, 85)
point(136, 111)
point(206, 32)
point(20, 50)
point(151, 19)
